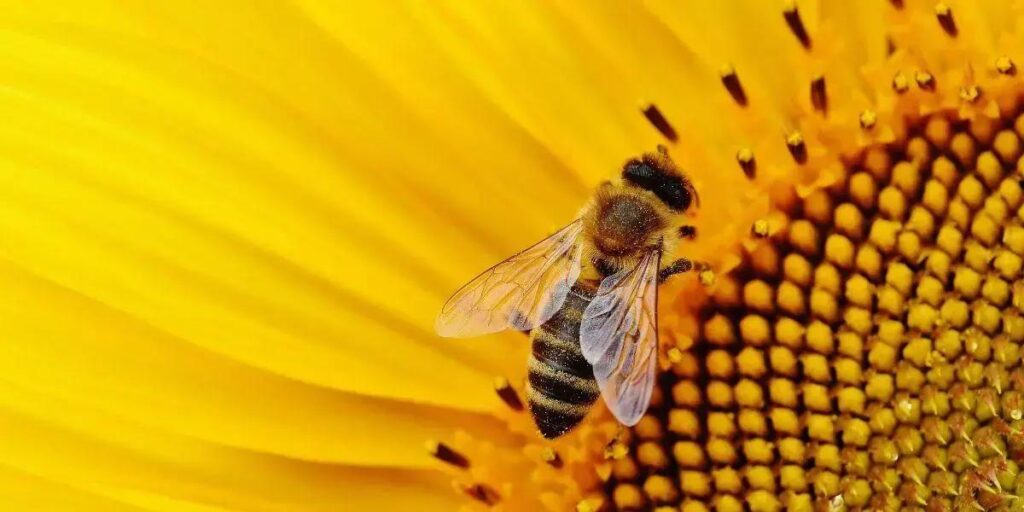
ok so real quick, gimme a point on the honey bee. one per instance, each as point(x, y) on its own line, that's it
point(588, 296)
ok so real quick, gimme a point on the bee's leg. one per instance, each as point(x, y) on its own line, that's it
point(678, 267)
point(688, 231)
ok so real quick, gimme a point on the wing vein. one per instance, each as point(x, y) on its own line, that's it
point(618, 337)
point(521, 292)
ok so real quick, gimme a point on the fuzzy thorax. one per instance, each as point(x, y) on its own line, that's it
point(622, 223)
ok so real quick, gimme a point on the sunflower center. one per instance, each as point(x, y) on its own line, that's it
point(866, 354)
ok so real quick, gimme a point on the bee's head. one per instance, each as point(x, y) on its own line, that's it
point(625, 221)
point(658, 174)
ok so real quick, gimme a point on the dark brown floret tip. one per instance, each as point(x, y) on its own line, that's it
point(657, 119)
point(819, 96)
point(507, 394)
point(745, 157)
point(925, 80)
point(1005, 66)
point(797, 148)
point(732, 84)
point(796, 24)
point(945, 16)
point(446, 454)
point(550, 456)
point(482, 493)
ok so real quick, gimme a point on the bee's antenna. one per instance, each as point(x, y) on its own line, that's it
point(692, 190)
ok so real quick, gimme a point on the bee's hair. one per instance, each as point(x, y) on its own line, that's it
point(640, 219)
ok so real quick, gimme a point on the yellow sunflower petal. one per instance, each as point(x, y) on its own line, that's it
point(197, 231)
point(289, 285)
point(26, 491)
point(157, 472)
point(105, 360)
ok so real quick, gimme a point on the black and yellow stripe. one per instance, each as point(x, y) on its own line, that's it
point(562, 386)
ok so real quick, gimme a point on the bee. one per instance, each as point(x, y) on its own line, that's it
point(588, 297)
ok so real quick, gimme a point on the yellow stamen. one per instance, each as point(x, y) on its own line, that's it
point(924, 80)
point(868, 118)
point(970, 94)
point(1005, 66)
point(900, 83)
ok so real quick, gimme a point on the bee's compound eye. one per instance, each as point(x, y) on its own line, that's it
point(635, 171)
point(674, 191)
point(686, 196)
point(671, 188)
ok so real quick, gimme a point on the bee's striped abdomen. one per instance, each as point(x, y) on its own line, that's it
point(562, 386)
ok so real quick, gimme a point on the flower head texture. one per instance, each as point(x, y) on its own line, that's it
point(226, 229)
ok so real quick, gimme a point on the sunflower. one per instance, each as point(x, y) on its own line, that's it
point(859, 347)
point(225, 230)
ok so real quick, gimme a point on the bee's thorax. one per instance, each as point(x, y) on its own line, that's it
point(623, 222)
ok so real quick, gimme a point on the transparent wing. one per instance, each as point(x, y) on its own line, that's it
point(619, 338)
point(521, 292)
